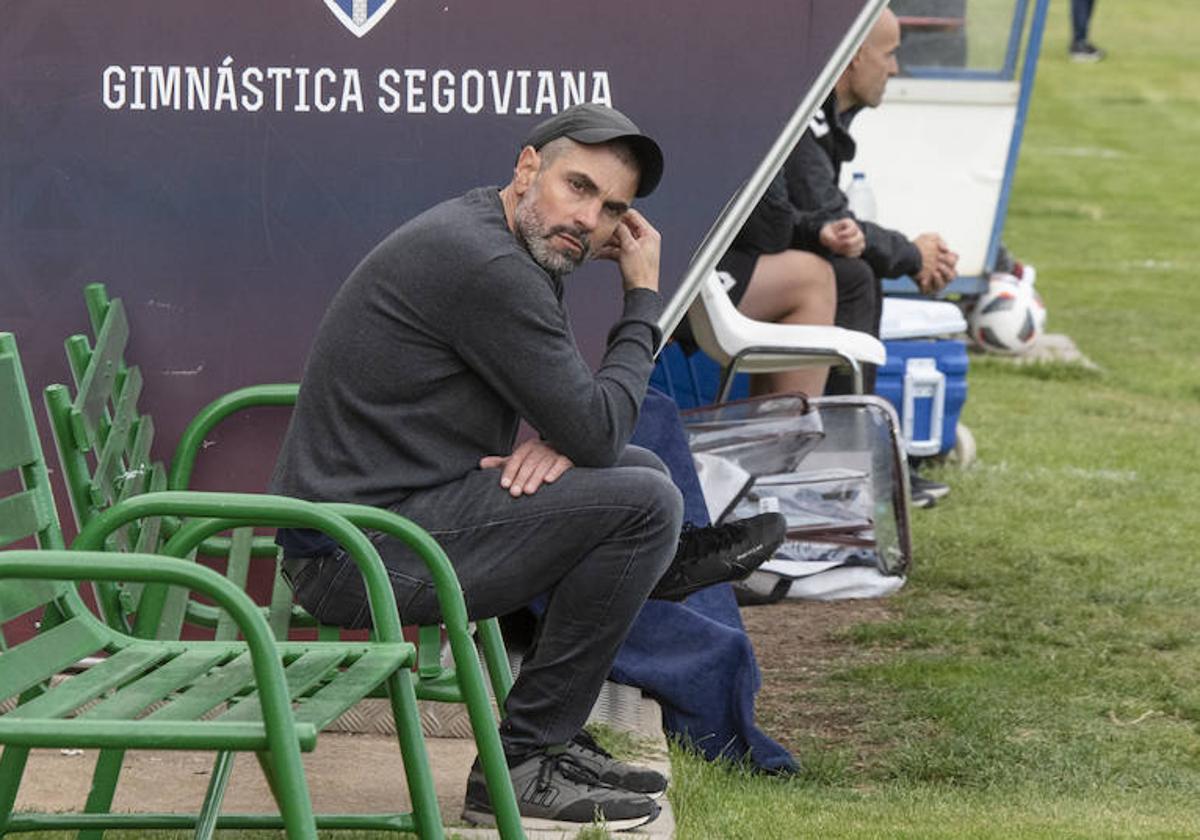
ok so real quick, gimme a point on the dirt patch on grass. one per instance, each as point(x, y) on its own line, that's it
point(799, 644)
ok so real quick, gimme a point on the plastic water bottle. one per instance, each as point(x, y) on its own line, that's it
point(861, 199)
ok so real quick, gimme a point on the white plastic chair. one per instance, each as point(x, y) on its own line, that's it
point(740, 344)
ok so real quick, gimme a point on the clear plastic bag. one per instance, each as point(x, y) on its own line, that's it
point(833, 466)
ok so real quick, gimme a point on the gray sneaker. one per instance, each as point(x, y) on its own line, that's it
point(614, 772)
point(557, 791)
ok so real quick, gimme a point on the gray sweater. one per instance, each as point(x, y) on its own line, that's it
point(441, 340)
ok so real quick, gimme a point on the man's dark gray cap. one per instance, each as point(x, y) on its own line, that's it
point(590, 124)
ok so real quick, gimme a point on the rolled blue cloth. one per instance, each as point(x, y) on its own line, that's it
point(694, 657)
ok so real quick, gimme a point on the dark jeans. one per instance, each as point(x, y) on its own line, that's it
point(859, 307)
point(597, 540)
point(1081, 16)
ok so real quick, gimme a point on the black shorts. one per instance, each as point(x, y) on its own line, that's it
point(740, 266)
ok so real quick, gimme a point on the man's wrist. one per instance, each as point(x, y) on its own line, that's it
point(634, 292)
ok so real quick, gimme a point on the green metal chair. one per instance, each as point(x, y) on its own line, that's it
point(255, 682)
point(104, 442)
point(103, 418)
point(259, 695)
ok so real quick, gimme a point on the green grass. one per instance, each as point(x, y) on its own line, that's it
point(1040, 676)
point(988, 23)
point(621, 743)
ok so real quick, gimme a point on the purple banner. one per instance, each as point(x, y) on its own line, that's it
point(222, 166)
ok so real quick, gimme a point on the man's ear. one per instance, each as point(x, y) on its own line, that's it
point(529, 162)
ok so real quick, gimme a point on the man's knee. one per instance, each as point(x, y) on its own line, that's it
point(813, 283)
point(638, 456)
point(655, 500)
point(664, 519)
point(653, 491)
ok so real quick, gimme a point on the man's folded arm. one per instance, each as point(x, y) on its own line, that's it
point(889, 252)
point(518, 341)
point(813, 192)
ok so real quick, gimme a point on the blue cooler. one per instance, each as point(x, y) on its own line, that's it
point(925, 377)
point(926, 381)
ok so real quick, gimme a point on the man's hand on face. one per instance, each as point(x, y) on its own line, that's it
point(531, 465)
point(844, 237)
point(635, 246)
point(938, 263)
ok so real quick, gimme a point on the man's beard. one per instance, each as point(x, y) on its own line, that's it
point(535, 236)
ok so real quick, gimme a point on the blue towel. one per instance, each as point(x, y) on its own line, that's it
point(694, 657)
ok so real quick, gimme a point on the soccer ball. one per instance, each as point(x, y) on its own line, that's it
point(1009, 317)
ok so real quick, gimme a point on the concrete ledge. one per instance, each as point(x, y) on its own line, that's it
point(356, 768)
point(618, 706)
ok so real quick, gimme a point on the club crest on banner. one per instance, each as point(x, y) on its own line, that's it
point(360, 15)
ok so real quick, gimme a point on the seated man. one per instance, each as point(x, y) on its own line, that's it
point(776, 283)
point(768, 280)
point(861, 252)
point(442, 339)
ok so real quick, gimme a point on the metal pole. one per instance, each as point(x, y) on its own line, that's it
point(1033, 50)
point(719, 237)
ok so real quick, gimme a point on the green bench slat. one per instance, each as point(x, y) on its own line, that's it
point(123, 734)
point(174, 613)
point(134, 483)
point(157, 685)
point(18, 597)
point(110, 462)
point(237, 573)
point(18, 446)
point(209, 691)
point(46, 654)
point(101, 677)
point(143, 440)
point(302, 675)
point(21, 516)
point(91, 402)
point(148, 530)
point(429, 659)
point(356, 682)
point(279, 613)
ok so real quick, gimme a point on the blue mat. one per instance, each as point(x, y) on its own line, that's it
point(695, 657)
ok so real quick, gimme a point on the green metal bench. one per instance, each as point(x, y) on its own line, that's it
point(103, 418)
point(104, 442)
point(259, 695)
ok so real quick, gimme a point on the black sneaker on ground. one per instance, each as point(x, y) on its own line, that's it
point(720, 554)
point(926, 486)
point(921, 500)
point(613, 771)
point(556, 791)
point(1086, 51)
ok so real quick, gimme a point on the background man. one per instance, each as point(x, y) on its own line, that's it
point(1081, 18)
point(861, 252)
